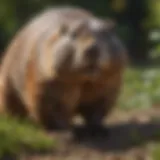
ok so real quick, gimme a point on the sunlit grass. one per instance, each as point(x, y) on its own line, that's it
point(17, 137)
point(141, 88)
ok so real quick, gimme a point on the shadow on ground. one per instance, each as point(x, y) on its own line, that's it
point(118, 137)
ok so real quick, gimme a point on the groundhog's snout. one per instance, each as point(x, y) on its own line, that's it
point(92, 53)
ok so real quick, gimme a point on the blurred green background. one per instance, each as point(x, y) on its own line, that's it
point(138, 25)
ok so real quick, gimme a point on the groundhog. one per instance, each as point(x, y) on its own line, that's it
point(65, 61)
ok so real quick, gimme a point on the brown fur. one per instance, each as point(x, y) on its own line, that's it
point(50, 96)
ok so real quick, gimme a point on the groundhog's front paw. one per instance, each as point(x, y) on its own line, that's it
point(93, 117)
point(56, 125)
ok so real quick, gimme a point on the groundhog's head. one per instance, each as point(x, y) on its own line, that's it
point(87, 47)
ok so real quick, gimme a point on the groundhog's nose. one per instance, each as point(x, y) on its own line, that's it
point(92, 53)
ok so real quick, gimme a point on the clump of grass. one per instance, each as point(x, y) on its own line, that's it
point(16, 136)
point(141, 88)
point(156, 152)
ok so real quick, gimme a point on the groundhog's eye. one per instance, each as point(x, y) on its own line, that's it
point(74, 34)
point(81, 35)
point(63, 29)
point(79, 30)
point(104, 34)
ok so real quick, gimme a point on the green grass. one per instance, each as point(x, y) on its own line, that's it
point(141, 88)
point(156, 152)
point(17, 137)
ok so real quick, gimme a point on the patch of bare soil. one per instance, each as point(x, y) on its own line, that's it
point(128, 135)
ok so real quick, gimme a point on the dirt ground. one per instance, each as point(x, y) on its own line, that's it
point(128, 135)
